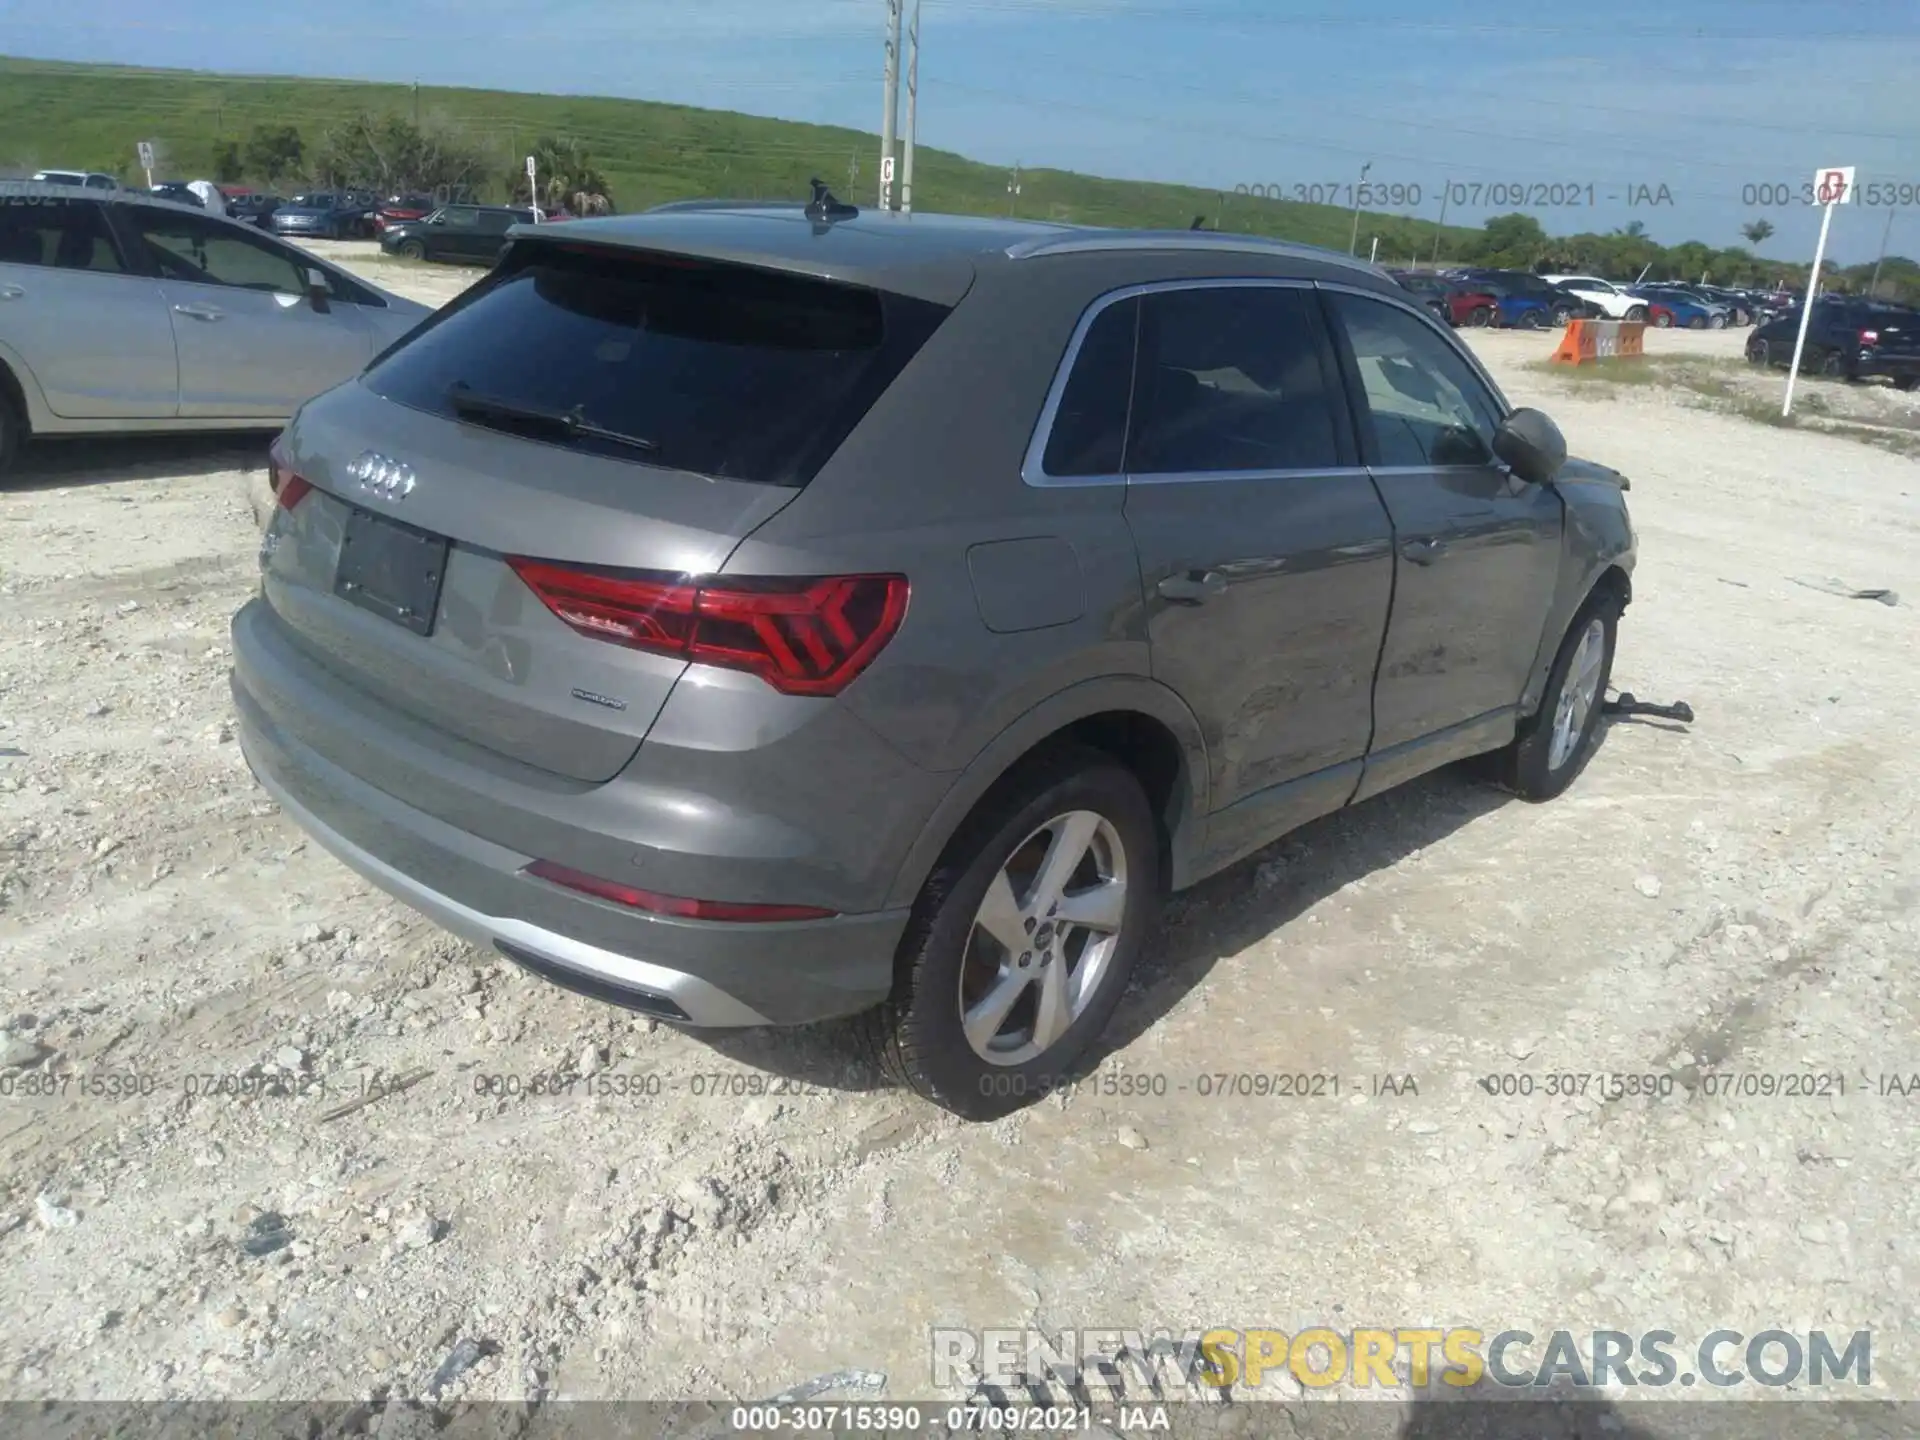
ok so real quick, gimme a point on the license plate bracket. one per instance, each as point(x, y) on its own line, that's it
point(392, 569)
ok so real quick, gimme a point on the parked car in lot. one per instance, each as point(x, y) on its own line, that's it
point(476, 234)
point(179, 192)
point(327, 214)
point(1453, 301)
point(1668, 310)
point(600, 621)
point(84, 179)
point(400, 209)
point(254, 208)
point(1847, 339)
point(1612, 301)
point(1684, 307)
point(122, 312)
point(1527, 300)
point(1739, 306)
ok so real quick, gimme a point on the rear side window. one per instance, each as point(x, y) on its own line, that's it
point(722, 370)
point(60, 234)
point(1236, 378)
point(1089, 432)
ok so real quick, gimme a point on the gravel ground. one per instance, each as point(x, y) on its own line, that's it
point(732, 1217)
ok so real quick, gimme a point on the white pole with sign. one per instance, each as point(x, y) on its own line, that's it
point(1831, 187)
point(146, 160)
point(533, 188)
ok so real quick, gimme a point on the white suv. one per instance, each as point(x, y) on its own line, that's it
point(1617, 304)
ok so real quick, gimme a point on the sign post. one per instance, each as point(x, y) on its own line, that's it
point(145, 147)
point(533, 188)
point(1832, 186)
point(886, 182)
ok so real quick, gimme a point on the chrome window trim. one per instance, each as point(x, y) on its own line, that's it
point(1098, 242)
point(1032, 469)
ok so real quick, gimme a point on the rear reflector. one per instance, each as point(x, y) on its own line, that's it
point(803, 636)
point(289, 489)
point(673, 905)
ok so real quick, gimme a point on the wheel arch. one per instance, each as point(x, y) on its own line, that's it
point(1139, 722)
point(19, 386)
point(1608, 571)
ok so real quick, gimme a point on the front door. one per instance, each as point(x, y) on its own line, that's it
point(1264, 548)
point(1477, 548)
point(250, 343)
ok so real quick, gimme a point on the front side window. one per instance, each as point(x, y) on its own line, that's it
point(1425, 404)
point(1233, 378)
point(206, 252)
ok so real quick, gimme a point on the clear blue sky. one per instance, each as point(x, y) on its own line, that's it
point(1705, 97)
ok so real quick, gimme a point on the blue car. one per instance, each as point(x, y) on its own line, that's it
point(1517, 311)
point(1668, 309)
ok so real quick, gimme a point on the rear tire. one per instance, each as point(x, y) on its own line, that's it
point(1480, 316)
point(1716, 322)
point(950, 963)
point(412, 249)
point(1906, 382)
point(1637, 313)
point(1556, 742)
point(1664, 320)
point(1699, 322)
point(1760, 353)
point(1833, 365)
point(13, 432)
point(1531, 320)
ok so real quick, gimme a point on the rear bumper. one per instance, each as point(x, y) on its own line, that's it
point(1894, 367)
point(697, 973)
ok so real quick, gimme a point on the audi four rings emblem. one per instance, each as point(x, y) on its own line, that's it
point(383, 477)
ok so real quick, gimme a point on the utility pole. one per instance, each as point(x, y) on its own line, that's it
point(1874, 284)
point(853, 171)
point(891, 114)
point(1013, 187)
point(1353, 241)
point(1440, 226)
point(416, 104)
point(913, 109)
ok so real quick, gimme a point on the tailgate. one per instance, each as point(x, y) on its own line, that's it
point(494, 667)
point(590, 409)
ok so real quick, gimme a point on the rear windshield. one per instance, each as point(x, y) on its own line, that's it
point(723, 370)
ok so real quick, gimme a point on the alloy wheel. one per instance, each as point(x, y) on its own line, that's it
point(1577, 694)
point(1043, 938)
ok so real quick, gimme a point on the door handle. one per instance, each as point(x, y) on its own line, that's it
point(1423, 552)
point(11, 292)
point(1195, 587)
point(199, 312)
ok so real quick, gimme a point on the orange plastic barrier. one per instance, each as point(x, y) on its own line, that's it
point(1588, 341)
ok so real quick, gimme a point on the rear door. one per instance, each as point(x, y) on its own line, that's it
point(250, 343)
point(731, 387)
point(95, 335)
point(1478, 549)
point(1264, 547)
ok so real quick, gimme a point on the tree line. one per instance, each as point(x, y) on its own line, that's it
point(1519, 242)
point(392, 155)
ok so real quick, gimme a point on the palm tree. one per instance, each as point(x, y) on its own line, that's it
point(1634, 230)
point(568, 177)
point(1757, 232)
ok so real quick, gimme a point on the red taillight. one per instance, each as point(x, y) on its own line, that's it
point(289, 489)
point(673, 905)
point(802, 636)
point(1869, 337)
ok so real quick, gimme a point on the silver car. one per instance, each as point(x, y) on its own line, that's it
point(123, 313)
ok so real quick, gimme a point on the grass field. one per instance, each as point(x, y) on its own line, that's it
point(91, 117)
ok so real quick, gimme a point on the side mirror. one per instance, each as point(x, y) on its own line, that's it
point(1531, 445)
point(319, 292)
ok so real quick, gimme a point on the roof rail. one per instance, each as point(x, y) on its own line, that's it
point(1099, 240)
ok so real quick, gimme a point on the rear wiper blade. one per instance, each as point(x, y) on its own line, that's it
point(468, 401)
